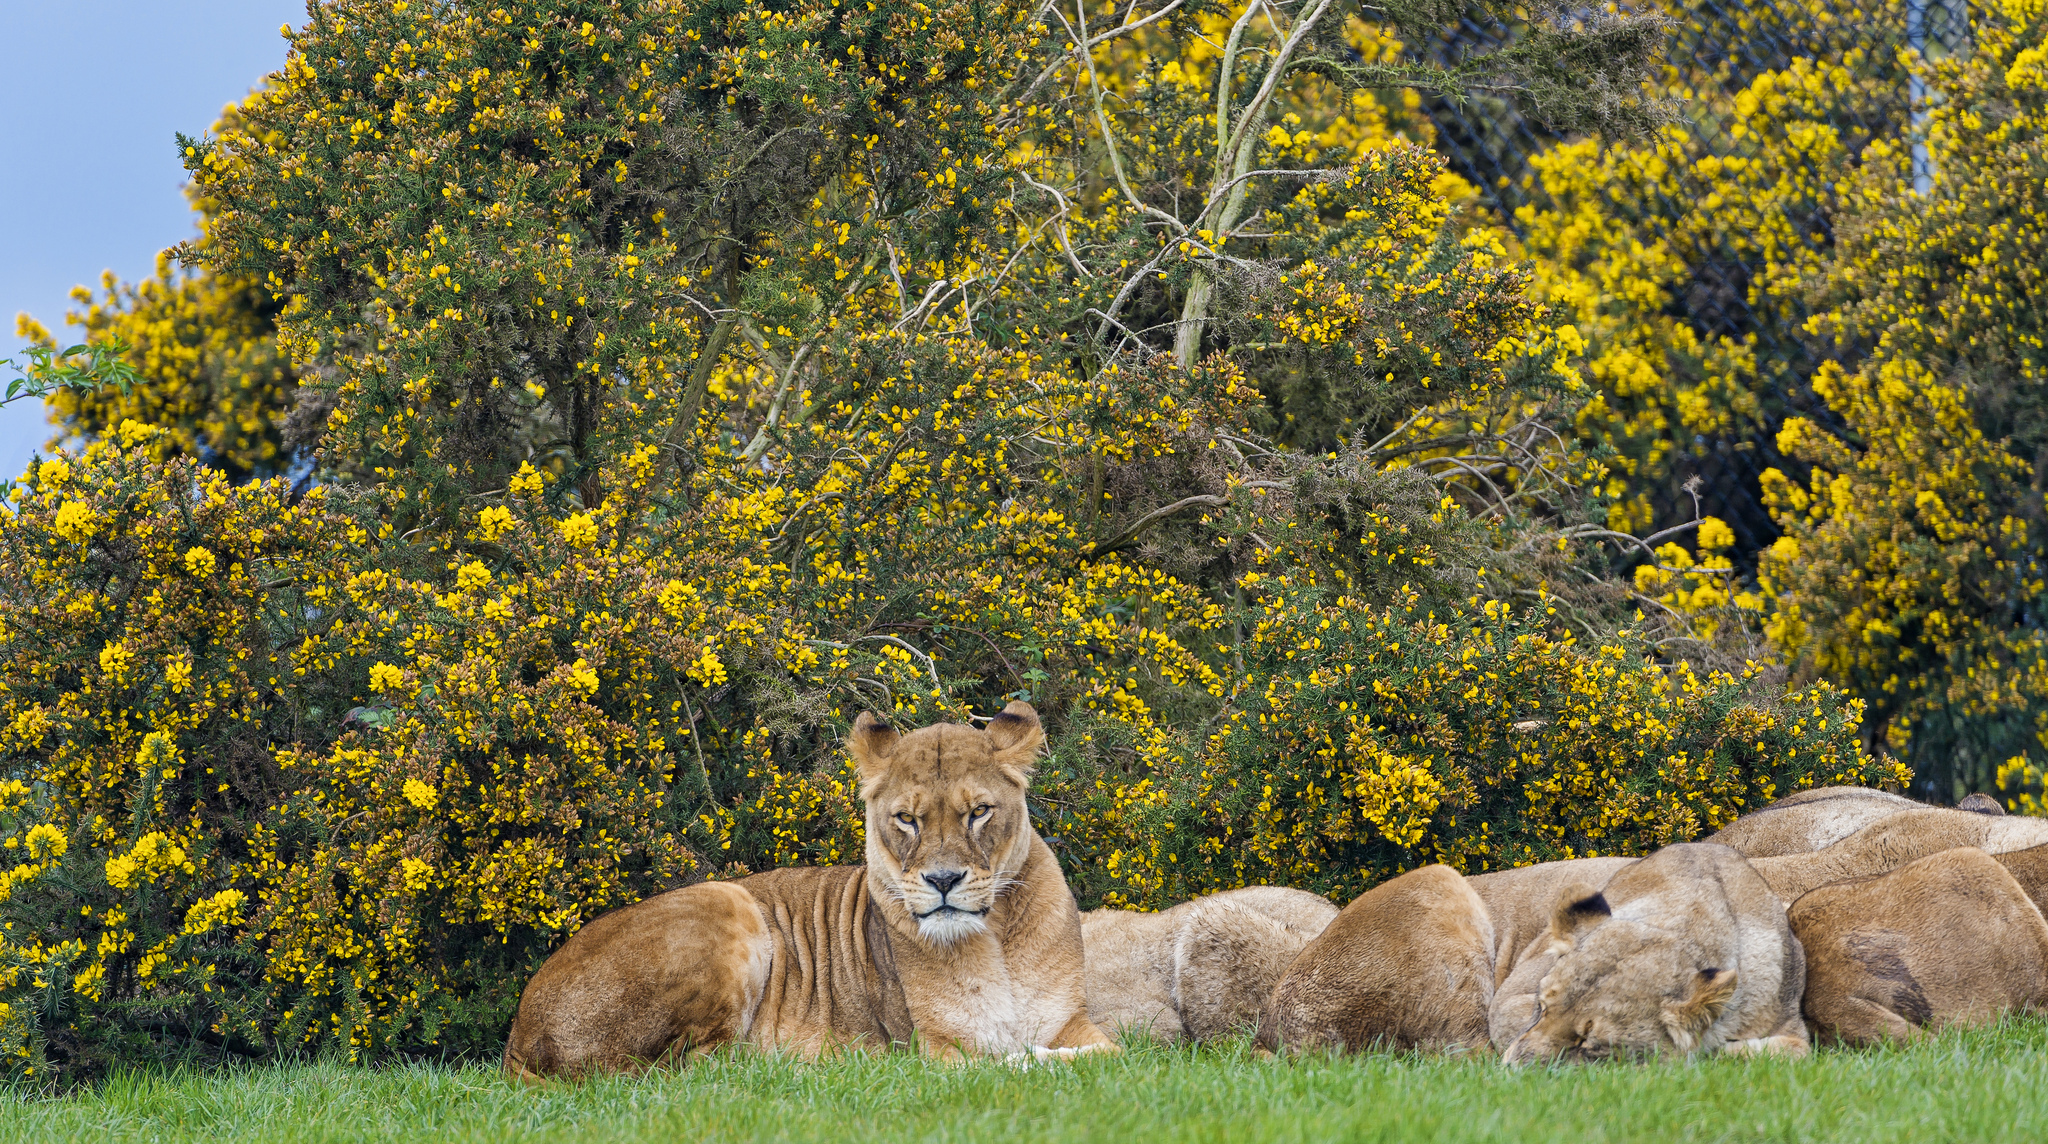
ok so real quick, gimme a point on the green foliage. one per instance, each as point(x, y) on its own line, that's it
point(50, 371)
point(1912, 565)
point(694, 378)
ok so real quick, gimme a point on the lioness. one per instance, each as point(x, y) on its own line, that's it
point(958, 934)
point(1519, 903)
point(1201, 968)
point(1896, 840)
point(1809, 820)
point(1686, 951)
point(1407, 965)
point(1948, 939)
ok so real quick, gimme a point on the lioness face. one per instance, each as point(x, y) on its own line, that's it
point(948, 828)
point(1620, 988)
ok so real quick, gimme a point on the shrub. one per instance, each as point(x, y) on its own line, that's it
point(1910, 567)
point(647, 468)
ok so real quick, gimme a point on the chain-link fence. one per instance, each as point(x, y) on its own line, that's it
point(1715, 52)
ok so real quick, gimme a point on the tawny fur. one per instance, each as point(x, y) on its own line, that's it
point(1946, 940)
point(1687, 951)
point(1519, 903)
point(1809, 820)
point(1896, 840)
point(1200, 969)
point(986, 958)
point(1408, 965)
point(2029, 868)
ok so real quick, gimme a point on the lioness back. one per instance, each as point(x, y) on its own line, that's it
point(637, 985)
point(1897, 839)
point(1407, 965)
point(1809, 820)
point(1199, 969)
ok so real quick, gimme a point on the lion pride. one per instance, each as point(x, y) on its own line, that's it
point(958, 935)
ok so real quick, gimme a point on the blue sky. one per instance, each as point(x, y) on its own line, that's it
point(94, 92)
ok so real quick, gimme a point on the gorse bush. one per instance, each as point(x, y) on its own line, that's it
point(693, 379)
point(1911, 567)
point(1903, 455)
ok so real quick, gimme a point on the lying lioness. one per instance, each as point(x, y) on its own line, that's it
point(1520, 902)
point(1407, 965)
point(1895, 840)
point(1201, 968)
point(1686, 951)
point(959, 934)
point(1948, 939)
point(1809, 820)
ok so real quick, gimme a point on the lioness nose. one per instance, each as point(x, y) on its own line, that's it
point(943, 880)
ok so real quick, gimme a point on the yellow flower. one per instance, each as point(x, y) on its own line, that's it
point(152, 853)
point(527, 481)
point(76, 522)
point(199, 562)
point(385, 677)
point(54, 473)
point(708, 669)
point(114, 660)
point(46, 841)
point(471, 576)
point(224, 908)
point(579, 530)
point(418, 875)
point(583, 676)
point(1715, 534)
point(420, 794)
point(495, 521)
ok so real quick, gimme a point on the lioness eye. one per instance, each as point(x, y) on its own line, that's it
point(982, 811)
point(907, 819)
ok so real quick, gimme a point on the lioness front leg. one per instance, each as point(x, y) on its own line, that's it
point(1080, 1035)
point(1789, 1040)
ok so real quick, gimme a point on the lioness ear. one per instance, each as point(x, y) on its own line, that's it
point(1016, 735)
point(1686, 1020)
point(1579, 906)
point(870, 742)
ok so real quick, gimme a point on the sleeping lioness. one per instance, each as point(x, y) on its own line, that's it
point(1687, 951)
point(1200, 969)
point(959, 934)
point(1808, 820)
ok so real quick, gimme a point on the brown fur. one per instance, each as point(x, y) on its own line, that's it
point(1894, 841)
point(1686, 951)
point(1809, 820)
point(1408, 965)
point(1519, 902)
point(2029, 868)
point(1200, 969)
point(1948, 939)
point(959, 933)
point(1981, 803)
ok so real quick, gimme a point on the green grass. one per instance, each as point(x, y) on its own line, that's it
point(1987, 1084)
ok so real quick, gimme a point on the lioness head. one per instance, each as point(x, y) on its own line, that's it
point(1619, 988)
point(947, 824)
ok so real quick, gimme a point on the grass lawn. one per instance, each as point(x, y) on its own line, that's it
point(1989, 1084)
